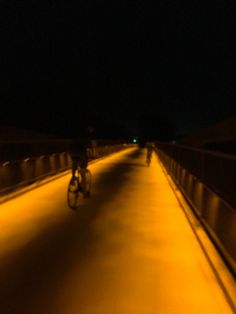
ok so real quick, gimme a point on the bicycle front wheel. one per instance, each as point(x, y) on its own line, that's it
point(73, 193)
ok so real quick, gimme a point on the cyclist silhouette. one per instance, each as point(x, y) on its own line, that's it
point(79, 152)
point(149, 147)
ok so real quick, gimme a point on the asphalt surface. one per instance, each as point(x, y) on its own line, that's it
point(128, 249)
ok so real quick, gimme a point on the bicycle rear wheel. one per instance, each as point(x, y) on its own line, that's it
point(73, 193)
point(148, 161)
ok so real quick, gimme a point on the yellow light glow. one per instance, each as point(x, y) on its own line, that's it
point(129, 249)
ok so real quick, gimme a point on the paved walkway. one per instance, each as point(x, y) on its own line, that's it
point(127, 250)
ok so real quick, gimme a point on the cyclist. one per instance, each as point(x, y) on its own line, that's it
point(149, 147)
point(79, 154)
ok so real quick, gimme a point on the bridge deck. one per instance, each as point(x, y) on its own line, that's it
point(129, 248)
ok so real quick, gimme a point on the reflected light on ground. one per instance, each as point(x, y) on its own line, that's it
point(128, 250)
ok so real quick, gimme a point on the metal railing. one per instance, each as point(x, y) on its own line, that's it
point(17, 173)
point(208, 181)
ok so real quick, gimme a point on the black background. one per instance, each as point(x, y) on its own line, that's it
point(116, 65)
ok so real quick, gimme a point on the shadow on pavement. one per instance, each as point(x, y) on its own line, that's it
point(29, 277)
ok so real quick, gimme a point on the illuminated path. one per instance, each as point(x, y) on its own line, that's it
point(128, 250)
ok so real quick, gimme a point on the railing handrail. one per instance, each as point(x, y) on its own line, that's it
point(200, 150)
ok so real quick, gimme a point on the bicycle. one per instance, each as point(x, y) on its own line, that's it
point(76, 188)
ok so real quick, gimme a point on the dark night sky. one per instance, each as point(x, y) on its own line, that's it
point(112, 62)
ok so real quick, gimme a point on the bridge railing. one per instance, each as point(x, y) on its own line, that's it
point(208, 181)
point(32, 166)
